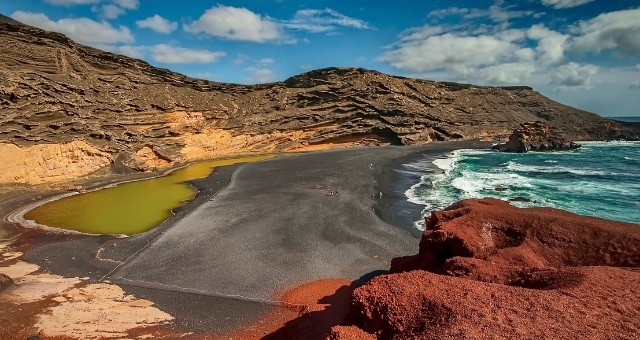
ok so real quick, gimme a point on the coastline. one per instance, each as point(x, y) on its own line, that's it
point(80, 255)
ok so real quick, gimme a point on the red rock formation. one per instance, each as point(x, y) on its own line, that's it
point(486, 269)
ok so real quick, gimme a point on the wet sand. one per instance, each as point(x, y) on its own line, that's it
point(223, 260)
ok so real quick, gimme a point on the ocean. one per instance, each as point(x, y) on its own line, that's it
point(599, 179)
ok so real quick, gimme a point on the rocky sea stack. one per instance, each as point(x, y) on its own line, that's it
point(536, 136)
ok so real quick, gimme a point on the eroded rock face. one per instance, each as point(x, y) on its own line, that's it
point(536, 136)
point(506, 236)
point(42, 163)
point(54, 91)
point(487, 269)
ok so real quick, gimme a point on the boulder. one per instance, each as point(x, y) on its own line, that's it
point(486, 269)
point(535, 136)
point(5, 281)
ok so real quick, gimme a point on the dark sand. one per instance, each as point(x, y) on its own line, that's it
point(220, 264)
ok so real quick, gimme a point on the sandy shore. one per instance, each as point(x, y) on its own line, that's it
point(222, 262)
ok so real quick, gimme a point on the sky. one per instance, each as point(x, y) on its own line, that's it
point(583, 53)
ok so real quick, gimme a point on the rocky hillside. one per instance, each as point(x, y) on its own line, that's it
point(124, 113)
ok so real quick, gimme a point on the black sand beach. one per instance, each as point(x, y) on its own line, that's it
point(253, 231)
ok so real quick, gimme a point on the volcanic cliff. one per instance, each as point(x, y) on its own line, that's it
point(123, 113)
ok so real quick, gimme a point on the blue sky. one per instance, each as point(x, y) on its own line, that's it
point(584, 53)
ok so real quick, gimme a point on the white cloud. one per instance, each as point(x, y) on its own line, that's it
point(82, 30)
point(557, 4)
point(179, 55)
point(115, 9)
point(507, 73)
point(241, 58)
point(109, 11)
point(71, 2)
point(137, 52)
point(236, 24)
point(497, 12)
point(127, 4)
point(266, 61)
point(325, 20)
point(551, 44)
point(573, 76)
point(261, 74)
point(615, 30)
point(158, 24)
point(420, 51)
point(635, 85)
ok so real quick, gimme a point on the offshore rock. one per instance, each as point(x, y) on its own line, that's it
point(536, 136)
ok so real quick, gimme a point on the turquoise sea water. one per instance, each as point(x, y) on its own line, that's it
point(600, 179)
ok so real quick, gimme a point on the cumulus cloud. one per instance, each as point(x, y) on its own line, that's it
point(266, 61)
point(236, 24)
point(507, 73)
point(116, 8)
point(128, 4)
point(137, 52)
point(325, 20)
point(557, 4)
point(615, 30)
point(261, 74)
point(498, 12)
point(83, 30)
point(179, 55)
point(71, 2)
point(551, 44)
point(423, 50)
point(573, 76)
point(158, 24)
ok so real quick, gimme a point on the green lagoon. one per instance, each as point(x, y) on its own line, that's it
point(128, 208)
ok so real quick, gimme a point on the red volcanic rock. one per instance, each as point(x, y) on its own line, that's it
point(602, 304)
point(349, 333)
point(486, 269)
point(504, 235)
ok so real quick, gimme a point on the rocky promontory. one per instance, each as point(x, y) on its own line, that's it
point(486, 269)
point(536, 136)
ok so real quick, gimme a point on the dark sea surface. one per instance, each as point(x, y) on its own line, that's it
point(600, 179)
point(626, 119)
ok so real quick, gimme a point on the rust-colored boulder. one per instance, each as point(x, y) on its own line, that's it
point(349, 333)
point(495, 231)
point(601, 303)
point(486, 269)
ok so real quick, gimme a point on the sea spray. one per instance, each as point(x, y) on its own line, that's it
point(600, 179)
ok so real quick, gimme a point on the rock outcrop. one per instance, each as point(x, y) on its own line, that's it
point(55, 91)
point(486, 269)
point(42, 163)
point(536, 136)
point(5, 281)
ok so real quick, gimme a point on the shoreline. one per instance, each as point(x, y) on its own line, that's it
point(75, 256)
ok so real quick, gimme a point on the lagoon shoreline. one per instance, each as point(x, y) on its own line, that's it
point(102, 257)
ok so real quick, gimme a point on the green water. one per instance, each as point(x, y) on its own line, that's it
point(128, 208)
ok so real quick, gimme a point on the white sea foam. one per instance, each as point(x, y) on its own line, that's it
point(513, 166)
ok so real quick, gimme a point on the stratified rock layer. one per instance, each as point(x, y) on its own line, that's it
point(54, 91)
point(486, 269)
point(536, 136)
